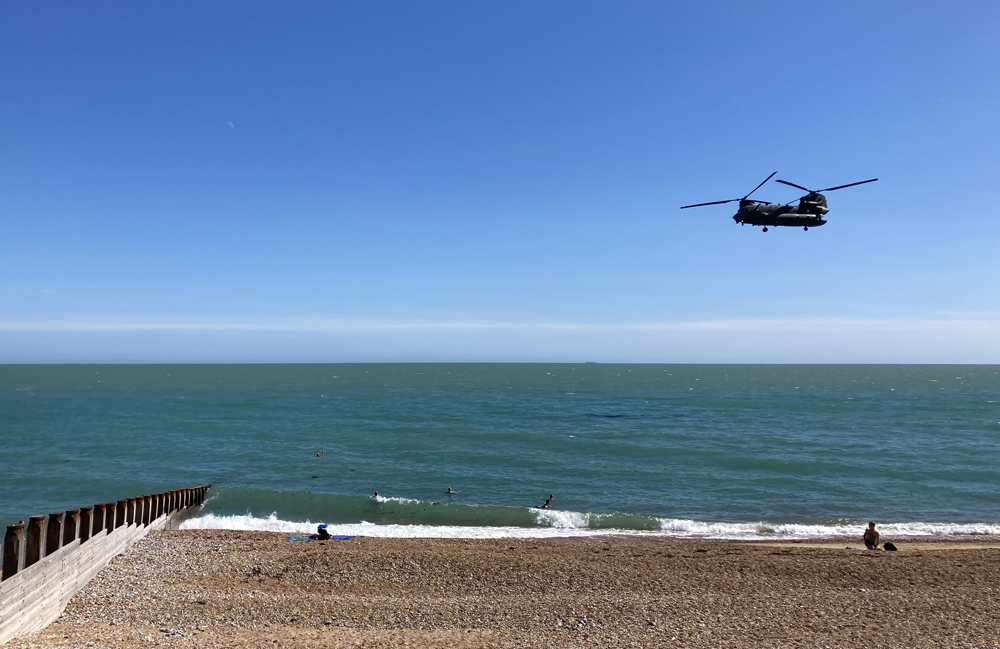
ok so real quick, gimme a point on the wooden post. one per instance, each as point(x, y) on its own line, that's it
point(99, 511)
point(71, 526)
point(54, 533)
point(147, 510)
point(120, 512)
point(86, 523)
point(159, 504)
point(110, 513)
point(13, 559)
point(35, 542)
point(171, 501)
point(130, 511)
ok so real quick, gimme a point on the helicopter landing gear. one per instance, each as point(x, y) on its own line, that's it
point(765, 229)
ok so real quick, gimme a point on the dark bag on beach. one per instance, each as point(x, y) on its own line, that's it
point(889, 546)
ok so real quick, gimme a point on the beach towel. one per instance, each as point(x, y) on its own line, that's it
point(302, 537)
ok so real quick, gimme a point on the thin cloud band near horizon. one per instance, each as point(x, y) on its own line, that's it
point(345, 325)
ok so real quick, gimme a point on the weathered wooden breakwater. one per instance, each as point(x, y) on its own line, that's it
point(47, 562)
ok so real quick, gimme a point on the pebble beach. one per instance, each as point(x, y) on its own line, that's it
point(217, 588)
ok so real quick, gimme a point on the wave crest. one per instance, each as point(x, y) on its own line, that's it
point(561, 524)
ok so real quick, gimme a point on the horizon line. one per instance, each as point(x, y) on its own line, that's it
point(348, 324)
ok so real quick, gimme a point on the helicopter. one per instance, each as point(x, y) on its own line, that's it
point(808, 213)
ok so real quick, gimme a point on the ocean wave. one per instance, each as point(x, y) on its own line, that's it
point(393, 499)
point(563, 524)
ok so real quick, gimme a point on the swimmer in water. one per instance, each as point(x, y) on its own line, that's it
point(375, 497)
point(547, 503)
point(450, 491)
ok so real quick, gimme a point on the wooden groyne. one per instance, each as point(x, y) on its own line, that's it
point(49, 560)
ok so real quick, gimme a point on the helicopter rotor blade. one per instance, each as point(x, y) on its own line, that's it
point(712, 203)
point(762, 184)
point(830, 189)
point(785, 182)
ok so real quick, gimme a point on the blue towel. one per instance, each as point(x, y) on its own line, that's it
point(302, 537)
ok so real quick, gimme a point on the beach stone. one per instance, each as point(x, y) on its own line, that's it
point(204, 588)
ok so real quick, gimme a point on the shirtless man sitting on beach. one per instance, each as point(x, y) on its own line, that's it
point(871, 536)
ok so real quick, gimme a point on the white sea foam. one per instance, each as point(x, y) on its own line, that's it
point(576, 524)
point(562, 519)
point(383, 499)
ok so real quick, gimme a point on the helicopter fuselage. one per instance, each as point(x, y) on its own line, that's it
point(807, 214)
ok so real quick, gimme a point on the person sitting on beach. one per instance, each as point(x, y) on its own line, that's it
point(321, 534)
point(871, 536)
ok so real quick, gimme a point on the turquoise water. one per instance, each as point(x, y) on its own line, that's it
point(679, 449)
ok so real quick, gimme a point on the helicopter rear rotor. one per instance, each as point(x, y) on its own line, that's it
point(828, 189)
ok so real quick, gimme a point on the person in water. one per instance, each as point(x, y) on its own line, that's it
point(376, 496)
point(450, 491)
point(321, 534)
point(871, 536)
point(548, 503)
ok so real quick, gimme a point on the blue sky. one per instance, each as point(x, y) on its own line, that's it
point(241, 181)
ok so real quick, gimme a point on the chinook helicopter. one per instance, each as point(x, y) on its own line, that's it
point(808, 213)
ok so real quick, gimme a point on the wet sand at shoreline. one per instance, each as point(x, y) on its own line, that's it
point(210, 588)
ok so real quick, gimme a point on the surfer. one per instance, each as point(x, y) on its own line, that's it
point(871, 536)
point(547, 503)
point(375, 497)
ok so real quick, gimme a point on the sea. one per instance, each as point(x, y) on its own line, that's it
point(677, 451)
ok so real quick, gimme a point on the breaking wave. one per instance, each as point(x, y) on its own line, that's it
point(408, 518)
